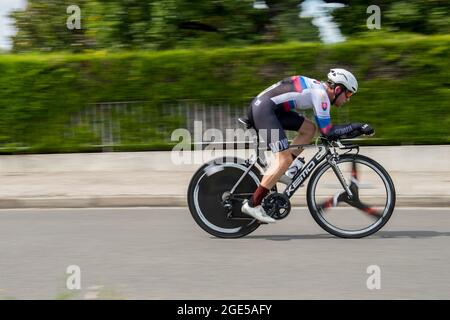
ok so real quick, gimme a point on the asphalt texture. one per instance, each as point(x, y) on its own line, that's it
point(160, 253)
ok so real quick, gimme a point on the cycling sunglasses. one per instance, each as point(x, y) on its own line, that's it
point(347, 92)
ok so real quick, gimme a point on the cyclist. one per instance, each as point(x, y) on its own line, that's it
point(274, 110)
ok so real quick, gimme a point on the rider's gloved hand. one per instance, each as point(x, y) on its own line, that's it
point(350, 135)
point(349, 131)
point(367, 129)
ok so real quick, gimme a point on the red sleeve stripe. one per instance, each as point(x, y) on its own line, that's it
point(326, 129)
point(298, 86)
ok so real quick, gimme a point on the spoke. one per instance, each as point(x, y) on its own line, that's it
point(327, 204)
point(333, 201)
point(355, 201)
point(354, 171)
point(371, 211)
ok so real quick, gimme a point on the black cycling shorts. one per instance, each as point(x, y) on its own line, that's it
point(265, 114)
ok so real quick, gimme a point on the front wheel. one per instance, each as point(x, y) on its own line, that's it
point(361, 215)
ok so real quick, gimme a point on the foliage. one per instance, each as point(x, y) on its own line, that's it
point(404, 87)
point(418, 16)
point(119, 24)
point(169, 24)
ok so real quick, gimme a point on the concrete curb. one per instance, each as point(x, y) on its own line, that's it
point(173, 201)
point(421, 176)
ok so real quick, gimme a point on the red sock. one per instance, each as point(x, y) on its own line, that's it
point(258, 196)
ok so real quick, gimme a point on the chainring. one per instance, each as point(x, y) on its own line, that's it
point(277, 205)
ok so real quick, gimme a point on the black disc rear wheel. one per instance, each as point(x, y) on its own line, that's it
point(211, 185)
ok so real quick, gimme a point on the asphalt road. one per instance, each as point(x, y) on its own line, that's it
point(160, 253)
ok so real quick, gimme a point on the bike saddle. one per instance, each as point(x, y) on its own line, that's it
point(246, 122)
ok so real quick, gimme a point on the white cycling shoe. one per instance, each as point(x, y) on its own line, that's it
point(257, 212)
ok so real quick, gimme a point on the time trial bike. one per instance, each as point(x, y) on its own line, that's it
point(348, 194)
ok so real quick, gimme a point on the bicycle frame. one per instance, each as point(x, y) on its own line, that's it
point(222, 216)
point(301, 176)
point(306, 171)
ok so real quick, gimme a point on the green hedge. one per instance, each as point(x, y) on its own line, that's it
point(404, 87)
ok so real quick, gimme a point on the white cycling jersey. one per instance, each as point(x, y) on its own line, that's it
point(303, 93)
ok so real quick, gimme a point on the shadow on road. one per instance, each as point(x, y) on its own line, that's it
point(379, 235)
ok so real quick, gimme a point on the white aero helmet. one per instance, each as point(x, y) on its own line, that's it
point(344, 77)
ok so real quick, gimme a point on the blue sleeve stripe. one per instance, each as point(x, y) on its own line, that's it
point(302, 80)
point(323, 122)
point(292, 104)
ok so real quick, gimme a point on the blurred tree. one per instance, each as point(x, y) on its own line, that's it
point(158, 24)
point(42, 26)
point(121, 23)
point(283, 22)
point(162, 24)
point(216, 23)
point(420, 16)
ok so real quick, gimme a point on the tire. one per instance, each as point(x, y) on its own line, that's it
point(205, 192)
point(317, 212)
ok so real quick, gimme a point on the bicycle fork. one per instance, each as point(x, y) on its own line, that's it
point(340, 177)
